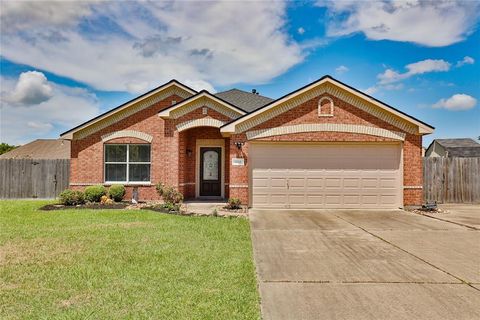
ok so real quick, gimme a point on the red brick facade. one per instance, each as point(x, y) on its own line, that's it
point(174, 154)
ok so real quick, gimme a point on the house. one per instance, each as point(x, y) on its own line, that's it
point(325, 145)
point(41, 149)
point(451, 148)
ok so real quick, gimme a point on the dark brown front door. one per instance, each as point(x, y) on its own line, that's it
point(210, 172)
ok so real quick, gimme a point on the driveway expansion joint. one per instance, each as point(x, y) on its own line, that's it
point(444, 220)
point(406, 251)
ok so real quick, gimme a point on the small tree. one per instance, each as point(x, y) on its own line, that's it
point(234, 203)
point(5, 147)
point(171, 196)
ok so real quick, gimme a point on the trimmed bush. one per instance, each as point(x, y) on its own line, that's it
point(116, 192)
point(95, 193)
point(234, 203)
point(72, 197)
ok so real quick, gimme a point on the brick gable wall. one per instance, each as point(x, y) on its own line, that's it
point(344, 113)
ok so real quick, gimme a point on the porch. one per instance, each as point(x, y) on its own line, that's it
point(203, 165)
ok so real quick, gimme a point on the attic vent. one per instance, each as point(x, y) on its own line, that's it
point(254, 91)
point(174, 102)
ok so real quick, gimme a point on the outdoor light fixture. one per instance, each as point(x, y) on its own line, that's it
point(239, 145)
point(189, 153)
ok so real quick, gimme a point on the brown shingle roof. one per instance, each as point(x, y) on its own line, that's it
point(463, 147)
point(41, 149)
point(244, 100)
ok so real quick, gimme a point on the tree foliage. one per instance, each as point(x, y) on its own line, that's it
point(5, 147)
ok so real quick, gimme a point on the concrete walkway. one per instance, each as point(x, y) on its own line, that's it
point(335, 264)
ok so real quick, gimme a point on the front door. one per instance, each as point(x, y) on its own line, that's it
point(210, 172)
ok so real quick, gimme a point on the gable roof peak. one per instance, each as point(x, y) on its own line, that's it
point(367, 102)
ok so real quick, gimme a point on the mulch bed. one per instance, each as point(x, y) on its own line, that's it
point(223, 212)
point(96, 206)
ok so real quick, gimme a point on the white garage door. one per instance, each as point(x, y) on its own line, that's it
point(325, 175)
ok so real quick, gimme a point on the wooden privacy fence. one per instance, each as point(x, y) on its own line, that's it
point(31, 178)
point(451, 180)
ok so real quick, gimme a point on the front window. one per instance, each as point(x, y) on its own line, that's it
point(127, 163)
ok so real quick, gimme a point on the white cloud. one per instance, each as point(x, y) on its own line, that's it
point(464, 61)
point(21, 15)
point(199, 85)
point(65, 108)
point(32, 88)
point(371, 90)
point(300, 30)
point(41, 126)
point(430, 23)
point(420, 67)
point(148, 43)
point(457, 102)
point(341, 69)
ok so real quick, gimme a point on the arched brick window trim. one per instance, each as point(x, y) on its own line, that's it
point(127, 134)
point(320, 114)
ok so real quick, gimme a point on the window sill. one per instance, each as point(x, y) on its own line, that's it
point(129, 184)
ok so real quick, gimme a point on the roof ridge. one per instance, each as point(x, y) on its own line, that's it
point(243, 91)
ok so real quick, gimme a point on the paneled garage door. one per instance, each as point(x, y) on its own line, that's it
point(325, 175)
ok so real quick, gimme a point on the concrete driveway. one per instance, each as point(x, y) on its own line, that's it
point(347, 264)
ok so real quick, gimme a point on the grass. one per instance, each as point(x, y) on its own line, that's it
point(113, 264)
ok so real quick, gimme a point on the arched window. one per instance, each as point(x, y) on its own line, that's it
point(325, 107)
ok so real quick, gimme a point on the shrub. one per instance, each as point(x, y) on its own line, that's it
point(106, 200)
point(234, 203)
point(169, 194)
point(171, 207)
point(116, 192)
point(95, 193)
point(72, 197)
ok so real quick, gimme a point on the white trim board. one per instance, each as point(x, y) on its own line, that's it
point(203, 99)
point(325, 127)
point(203, 122)
point(129, 108)
point(337, 89)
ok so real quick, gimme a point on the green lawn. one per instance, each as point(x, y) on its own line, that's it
point(112, 264)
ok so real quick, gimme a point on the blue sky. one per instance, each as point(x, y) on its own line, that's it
point(62, 63)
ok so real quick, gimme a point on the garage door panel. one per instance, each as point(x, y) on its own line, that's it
point(370, 199)
point(326, 176)
point(258, 182)
point(296, 199)
point(388, 183)
point(296, 183)
point(351, 199)
point(388, 199)
point(351, 183)
point(278, 183)
point(315, 200)
point(279, 198)
point(315, 183)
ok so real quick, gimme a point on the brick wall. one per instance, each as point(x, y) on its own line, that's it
point(172, 165)
point(168, 150)
point(343, 113)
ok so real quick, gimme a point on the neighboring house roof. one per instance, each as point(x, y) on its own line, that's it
point(463, 147)
point(329, 84)
point(41, 149)
point(245, 100)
